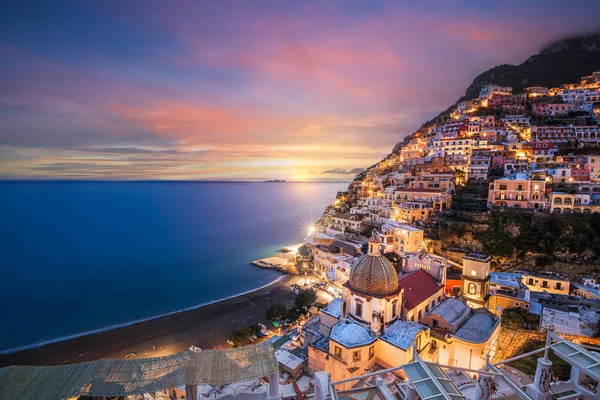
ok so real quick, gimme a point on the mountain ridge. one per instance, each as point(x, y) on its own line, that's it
point(559, 62)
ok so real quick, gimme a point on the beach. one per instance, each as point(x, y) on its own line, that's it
point(206, 327)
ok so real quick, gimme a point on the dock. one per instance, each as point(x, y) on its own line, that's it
point(283, 262)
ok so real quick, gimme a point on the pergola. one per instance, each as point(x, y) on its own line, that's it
point(129, 377)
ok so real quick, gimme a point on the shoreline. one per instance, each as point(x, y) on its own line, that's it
point(138, 321)
point(206, 326)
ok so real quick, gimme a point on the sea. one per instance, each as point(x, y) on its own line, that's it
point(81, 257)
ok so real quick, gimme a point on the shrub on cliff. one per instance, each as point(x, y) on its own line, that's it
point(516, 233)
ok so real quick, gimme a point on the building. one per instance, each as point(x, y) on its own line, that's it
point(346, 222)
point(489, 90)
point(567, 203)
point(411, 211)
point(475, 279)
point(560, 134)
point(369, 329)
point(594, 167)
point(375, 324)
point(462, 336)
point(522, 191)
point(437, 198)
point(546, 283)
point(551, 109)
point(400, 238)
point(435, 266)
point(422, 292)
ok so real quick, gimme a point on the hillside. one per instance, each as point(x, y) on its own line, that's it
point(558, 63)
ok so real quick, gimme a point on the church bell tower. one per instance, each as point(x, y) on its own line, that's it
point(475, 279)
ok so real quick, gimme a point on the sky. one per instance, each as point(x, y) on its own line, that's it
point(245, 90)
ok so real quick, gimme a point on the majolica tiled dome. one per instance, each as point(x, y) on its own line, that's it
point(372, 274)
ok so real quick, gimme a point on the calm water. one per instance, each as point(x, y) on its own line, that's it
point(81, 256)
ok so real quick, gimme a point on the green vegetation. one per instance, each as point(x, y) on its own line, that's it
point(516, 233)
point(305, 299)
point(240, 337)
point(518, 318)
point(560, 368)
point(276, 312)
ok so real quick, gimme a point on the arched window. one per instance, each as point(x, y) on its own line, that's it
point(472, 288)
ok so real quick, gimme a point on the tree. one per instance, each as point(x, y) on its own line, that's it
point(276, 312)
point(239, 337)
point(305, 299)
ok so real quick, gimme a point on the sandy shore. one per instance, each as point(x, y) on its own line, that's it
point(206, 327)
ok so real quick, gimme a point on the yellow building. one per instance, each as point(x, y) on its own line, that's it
point(570, 203)
point(475, 280)
point(364, 328)
point(411, 211)
point(461, 336)
point(376, 323)
point(546, 283)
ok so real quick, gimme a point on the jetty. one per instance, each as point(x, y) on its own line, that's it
point(284, 262)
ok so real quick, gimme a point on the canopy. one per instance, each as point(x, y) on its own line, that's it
point(129, 377)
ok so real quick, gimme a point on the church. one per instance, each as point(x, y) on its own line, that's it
point(383, 317)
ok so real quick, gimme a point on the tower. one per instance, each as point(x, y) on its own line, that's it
point(475, 279)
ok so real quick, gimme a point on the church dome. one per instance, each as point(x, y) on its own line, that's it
point(372, 274)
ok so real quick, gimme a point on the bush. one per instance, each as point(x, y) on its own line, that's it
point(518, 318)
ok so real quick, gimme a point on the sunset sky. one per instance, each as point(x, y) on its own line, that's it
point(297, 90)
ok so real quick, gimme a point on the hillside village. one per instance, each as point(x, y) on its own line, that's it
point(463, 231)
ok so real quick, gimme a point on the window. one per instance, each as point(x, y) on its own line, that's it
point(519, 187)
point(426, 308)
point(356, 356)
point(359, 309)
point(519, 197)
point(338, 352)
point(502, 187)
point(545, 284)
point(472, 288)
point(530, 281)
point(419, 316)
point(371, 352)
point(502, 196)
point(419, 343)
point(394, 308)
point(473, 273)
point(439, 298)
point(558, 286)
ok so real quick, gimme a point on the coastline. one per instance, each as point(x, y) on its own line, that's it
point(206, 326)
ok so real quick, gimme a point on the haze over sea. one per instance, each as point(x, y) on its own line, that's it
point(83, 256)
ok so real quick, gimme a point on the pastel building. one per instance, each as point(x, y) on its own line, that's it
point(522, 191)
point(546, 283)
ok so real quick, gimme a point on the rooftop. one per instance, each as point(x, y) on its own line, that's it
point(508, 279)
point(402, 333)
point(477, 328)
point(334, 308)
point(452, 311)
point(477, 257)
point(288, 359)
point(350, 334)
point(418, 286)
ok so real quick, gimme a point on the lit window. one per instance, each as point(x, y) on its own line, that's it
point(472, 288)
point(473, 273)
